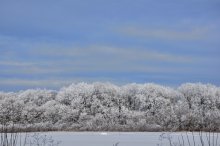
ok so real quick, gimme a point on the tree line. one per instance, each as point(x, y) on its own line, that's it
point(105, 106)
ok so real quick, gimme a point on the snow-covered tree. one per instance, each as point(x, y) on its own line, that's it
point(105, 106)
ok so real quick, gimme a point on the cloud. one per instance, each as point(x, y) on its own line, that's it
point(113, 53)
point(104, 59)
point(58, 58)
point(16, 63)
point(48, 64)
point(197, 33)
point(49, 60)
point(93, 67)
point(49, 83)
point(32, 83)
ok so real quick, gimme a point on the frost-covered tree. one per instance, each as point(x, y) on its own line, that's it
point(105, 106)
point(201, 100)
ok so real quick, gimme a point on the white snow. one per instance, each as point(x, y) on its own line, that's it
point(123, 138)
point(103, 133)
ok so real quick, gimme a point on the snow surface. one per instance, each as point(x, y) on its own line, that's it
point(105, 138)
point(124, 138)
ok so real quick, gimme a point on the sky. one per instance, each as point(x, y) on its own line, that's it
point(53, 43)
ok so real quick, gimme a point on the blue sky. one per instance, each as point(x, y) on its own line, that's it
point(52, 43)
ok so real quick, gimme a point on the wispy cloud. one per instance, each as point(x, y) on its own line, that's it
point(61, 64)
point(108, 59)
point(52, 58)
point(109, 52)
point(197, 33)
point(82, 68)
point(33, 83)
point(49, 83)
point(16, 63)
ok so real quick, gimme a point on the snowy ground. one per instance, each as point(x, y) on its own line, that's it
point(124, 138)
